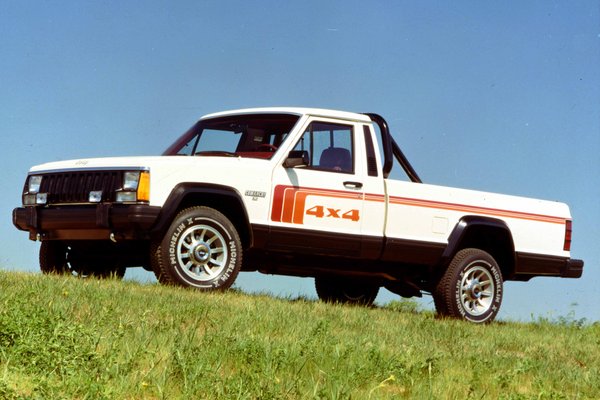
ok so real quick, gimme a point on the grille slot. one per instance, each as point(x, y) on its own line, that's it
point(75, 187)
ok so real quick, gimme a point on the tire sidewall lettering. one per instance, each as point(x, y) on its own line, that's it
point(497, 297)
point(458, 294)
point(231, 262)
point(174, 241)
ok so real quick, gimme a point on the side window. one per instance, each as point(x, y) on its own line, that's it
point(371, 160)
point(329, 146)
point(397, 173)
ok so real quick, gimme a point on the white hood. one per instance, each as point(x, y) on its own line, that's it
point(167, 170)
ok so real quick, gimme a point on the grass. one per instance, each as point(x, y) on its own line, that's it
point(87, 339)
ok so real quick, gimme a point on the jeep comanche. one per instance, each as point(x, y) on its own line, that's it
point(293, 191)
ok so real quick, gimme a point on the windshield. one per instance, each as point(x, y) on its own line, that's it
point(254, 135)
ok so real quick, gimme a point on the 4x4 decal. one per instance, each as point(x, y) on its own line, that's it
point(289, 204)
point(320, 212)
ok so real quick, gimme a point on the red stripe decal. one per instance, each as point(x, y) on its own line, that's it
point(289, 205)
point(476, 209)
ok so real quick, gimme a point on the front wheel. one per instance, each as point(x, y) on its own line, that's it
point(471, 287)
point(201, 249)
point(60, 258)
point(344, 290)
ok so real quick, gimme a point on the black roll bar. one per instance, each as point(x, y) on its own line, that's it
point(390, 147)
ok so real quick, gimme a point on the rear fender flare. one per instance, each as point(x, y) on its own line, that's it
point(459, 237)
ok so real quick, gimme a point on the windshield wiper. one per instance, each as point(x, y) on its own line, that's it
point(215, 153)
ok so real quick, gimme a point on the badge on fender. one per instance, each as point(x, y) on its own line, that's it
point(255, 194)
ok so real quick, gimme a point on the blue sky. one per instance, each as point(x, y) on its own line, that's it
point(502, 97)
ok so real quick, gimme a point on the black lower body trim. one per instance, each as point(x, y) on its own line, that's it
point(530, 265)
point(413, 251)
point(314, 242)
point(304, 241)
point(308, 253)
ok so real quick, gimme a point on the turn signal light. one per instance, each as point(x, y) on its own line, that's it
point(143, 191)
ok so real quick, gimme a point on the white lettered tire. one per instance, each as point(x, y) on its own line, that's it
point(471, 288)
point(201, 249)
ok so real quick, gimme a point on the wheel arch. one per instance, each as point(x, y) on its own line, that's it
point(222, 198)
point(488, 234)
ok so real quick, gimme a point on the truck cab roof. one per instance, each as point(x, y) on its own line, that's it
point(300, 111)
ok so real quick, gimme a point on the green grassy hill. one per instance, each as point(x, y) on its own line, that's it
point(87, 339)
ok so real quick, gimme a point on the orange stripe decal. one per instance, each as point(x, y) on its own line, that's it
point(289, 205)
point(289, 201)
point(476, 210)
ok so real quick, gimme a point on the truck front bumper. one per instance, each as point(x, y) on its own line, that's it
point(91, 222)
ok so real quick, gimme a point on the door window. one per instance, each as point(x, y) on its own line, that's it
point(329, 146)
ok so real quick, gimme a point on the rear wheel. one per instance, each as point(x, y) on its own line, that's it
point(344, 290)
point(201, 249)
point(59, 258)
point(471, 288)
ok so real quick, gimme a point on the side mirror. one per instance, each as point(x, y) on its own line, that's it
point(297, 158)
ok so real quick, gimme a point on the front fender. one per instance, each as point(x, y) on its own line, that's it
point(225, 199)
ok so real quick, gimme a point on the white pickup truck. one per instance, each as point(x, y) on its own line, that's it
point(293, 191)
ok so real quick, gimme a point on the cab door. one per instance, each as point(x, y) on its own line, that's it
point(318, 208)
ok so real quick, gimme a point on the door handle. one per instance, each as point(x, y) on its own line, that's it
point(353, 185)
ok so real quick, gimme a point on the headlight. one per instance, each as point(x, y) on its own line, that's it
point(124, 197)
point(33, 186)
point(136, 187)
point(32, 195)
point(131, 180)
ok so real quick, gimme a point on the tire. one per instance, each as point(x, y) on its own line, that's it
point(55, 258)
point(471, 288)
point(114, 272)
point(346, 291)
point(156, 264)
point(201, 249)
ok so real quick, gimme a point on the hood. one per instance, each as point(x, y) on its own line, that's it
point(158, 162)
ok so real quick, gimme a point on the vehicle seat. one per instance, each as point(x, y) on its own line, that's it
point(336, 158)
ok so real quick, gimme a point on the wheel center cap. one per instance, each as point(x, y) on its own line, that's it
point(201, 252)
point(475, 289)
